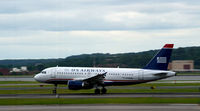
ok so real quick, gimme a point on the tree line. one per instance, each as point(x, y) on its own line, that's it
point(128, 60)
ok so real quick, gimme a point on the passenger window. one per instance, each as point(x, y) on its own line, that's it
point(44, 72)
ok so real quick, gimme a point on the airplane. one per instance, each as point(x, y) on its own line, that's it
point(95, 77)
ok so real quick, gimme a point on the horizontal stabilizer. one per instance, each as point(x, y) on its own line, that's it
point(160, 74)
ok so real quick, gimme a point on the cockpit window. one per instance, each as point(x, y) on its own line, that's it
point(43, 72)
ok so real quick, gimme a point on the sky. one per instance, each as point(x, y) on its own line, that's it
point(42, 29)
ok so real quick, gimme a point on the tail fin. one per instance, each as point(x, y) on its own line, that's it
point(161, 60)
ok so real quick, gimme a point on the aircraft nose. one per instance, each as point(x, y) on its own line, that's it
point(37, 78)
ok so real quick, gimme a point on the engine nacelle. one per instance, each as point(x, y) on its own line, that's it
point(75, 85)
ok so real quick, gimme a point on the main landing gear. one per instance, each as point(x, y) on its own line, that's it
point(102, 91)
point(55, 89)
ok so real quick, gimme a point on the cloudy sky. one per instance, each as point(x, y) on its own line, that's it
point(60, 28)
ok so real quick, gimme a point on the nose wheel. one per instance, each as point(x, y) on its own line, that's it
point(55, 89)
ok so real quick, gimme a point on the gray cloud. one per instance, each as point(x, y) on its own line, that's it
point(59, 28)
point(63, 15)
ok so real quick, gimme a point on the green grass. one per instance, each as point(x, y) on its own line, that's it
point(66, 91)
point(21, 86)
point(140, 100)
point(188, 73)
point(34, 84)
point(144, 84)
point(167, 84)
point(19, 82)
point(16, 75)
point(48, 101)
point(153, 90)
point(44, 91)
point(111, 90)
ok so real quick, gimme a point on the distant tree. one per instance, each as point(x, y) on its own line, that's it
point(40, 66)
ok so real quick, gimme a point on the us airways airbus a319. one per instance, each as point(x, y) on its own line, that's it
point(95, 77)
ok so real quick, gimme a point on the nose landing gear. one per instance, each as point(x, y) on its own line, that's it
point(55, 89)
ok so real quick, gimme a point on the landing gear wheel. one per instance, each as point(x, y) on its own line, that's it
point(55, 89)
point(54, 92)
point(103, 90)
point(97, 91)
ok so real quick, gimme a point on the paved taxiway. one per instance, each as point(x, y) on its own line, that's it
point(100, 107)
point(110, 95)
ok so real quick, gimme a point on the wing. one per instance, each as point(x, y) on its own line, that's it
point(97, 79)
point(87, 83)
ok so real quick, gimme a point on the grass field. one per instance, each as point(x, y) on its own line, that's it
point(148, 100)
point(60, 101)
point(140, 100)
point(63, 88)
point(66, 91)
point(144, 84)
point(188, 73)
point(10, 84)
point(19, 82)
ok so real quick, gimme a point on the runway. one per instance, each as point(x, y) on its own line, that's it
point(103, 107)
point(110, 95)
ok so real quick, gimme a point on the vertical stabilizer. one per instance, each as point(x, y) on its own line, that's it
point(161, 60)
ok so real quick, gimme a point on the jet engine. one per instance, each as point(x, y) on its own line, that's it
point(76, 85)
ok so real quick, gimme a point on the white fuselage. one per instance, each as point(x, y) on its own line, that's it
point(113, 76)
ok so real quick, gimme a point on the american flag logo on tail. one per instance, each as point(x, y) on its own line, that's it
point(162, 60)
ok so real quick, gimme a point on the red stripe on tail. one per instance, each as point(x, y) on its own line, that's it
point(168, 46)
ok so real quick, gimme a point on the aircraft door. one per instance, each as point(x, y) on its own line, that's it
point(141, 75)
point(53, 73)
